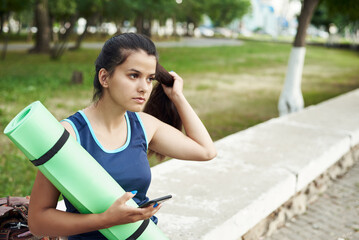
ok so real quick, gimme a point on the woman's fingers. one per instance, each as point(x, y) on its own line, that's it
point(177, 87)
point(144, 213)
point(121, 213)
point(127, 196)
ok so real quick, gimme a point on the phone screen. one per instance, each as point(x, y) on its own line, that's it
point(156, 200)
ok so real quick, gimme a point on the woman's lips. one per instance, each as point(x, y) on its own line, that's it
point(139, 100)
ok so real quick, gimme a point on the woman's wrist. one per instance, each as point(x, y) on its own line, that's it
point(177, 98)
point(104, 221)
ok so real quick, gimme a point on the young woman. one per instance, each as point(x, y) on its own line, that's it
point(118, 134)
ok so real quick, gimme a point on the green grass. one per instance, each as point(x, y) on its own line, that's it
point(231, 88)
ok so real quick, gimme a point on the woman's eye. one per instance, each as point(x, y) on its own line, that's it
point(151, 79)
point(133, 75)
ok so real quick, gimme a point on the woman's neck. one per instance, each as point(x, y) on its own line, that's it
point(106, 115)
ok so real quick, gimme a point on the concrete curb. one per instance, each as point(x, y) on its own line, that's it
point(255, 172)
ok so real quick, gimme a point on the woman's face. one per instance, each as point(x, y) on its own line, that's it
point(130, 85)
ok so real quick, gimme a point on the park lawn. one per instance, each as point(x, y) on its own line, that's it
point(231, 88)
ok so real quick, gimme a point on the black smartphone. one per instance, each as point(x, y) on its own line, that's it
point(156, 200)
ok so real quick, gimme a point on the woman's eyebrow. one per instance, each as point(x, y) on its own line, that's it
point(134, 70)
point(137, 71)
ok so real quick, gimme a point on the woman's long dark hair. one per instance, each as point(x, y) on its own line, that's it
point(115, 52)
point(160, 106)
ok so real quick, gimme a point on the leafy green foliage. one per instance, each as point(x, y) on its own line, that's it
point(7, 6)
point(118, 10)
point(348, 8)
point(88, 8)
point(62, 10)
point(223, 12)
point(341, 13)
point(191, 11)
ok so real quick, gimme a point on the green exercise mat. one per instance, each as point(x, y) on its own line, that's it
point(76, 174)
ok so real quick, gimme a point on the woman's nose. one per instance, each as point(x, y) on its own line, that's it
point(143, 85)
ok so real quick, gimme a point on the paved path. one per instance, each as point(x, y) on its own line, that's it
point(334, 216)
point(185, 42)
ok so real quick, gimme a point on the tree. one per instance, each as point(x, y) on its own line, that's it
point(118, 11)
point(91, 11)
point(348, 8)
point(143, 16)
point(42, 41)
point(191, 12)
point(321, 18)
point(223, 12)
point(171, 9)
point(343, 14)
point(291, 98)
point(6, 8)
point(66, 13)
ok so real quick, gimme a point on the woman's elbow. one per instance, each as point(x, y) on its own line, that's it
point(34, 226)
point(209, 154)
point(212, 154)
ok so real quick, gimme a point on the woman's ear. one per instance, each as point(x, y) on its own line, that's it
point(103, 77)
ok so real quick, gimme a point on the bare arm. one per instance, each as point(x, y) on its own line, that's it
point(46, 220)
point(197, 145)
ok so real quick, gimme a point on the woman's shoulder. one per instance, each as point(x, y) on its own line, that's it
point(150, 123)
point(69, 128)
point(147, 118)
point(68, 123)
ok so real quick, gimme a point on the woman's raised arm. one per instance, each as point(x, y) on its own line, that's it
point(195, 145)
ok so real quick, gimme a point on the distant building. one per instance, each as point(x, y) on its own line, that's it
point(273, 17)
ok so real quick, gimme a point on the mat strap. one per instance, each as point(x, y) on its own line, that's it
point(49, 154)
point(139, 230)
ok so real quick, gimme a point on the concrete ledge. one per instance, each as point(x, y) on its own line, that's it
point(255, 172)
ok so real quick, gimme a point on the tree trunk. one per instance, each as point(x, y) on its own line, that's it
point(20, 25)
point(4, 48)
point(143, 26)
point(52, 33)
point(118, 26)
point(139, 24)
point(81, 37)
point(42, 44)
point(89, 22)
point(306, 14)
point(174, 22)
point(59, 48)
point(4, 36)
point(2, 20)
point(147, 26)
point(291, 98)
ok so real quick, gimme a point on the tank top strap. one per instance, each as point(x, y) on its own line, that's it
point(138, 130)
point(77, 123)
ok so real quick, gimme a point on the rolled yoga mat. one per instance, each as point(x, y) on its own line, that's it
point(75, 173)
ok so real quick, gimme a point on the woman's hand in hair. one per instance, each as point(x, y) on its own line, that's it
point(176, 90)
point(196, 145)
point(120, 213)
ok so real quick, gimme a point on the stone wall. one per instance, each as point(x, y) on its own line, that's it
point(262, 176)
point(297, 204)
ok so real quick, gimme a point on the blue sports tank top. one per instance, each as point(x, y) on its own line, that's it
point(128, 165)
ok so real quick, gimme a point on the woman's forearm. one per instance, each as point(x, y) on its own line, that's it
point(46, 220)
point(193, 126)
point(52, 222)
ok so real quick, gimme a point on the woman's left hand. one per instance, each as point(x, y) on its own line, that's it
point(177, 89)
